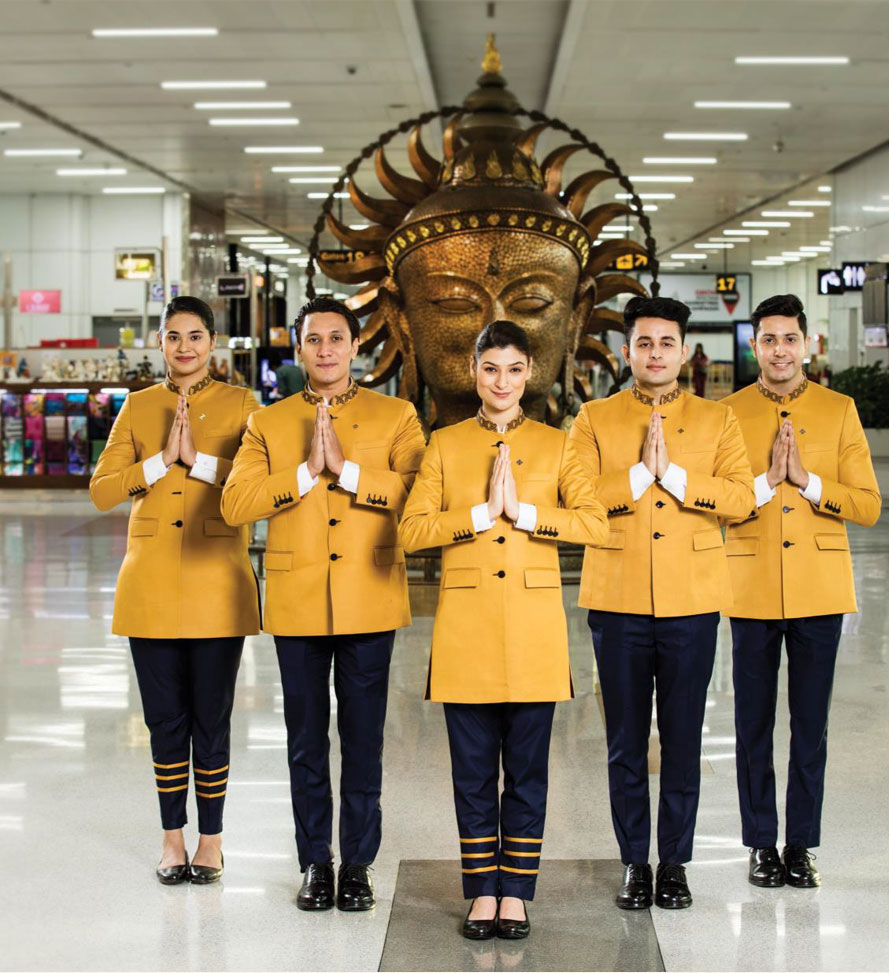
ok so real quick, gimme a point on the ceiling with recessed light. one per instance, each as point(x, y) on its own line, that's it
point(314, 82)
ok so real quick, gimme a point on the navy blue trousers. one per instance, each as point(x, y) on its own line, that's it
point(501, 835)
point(636, 655)
point(812, 645)
point(361, 683)
point(188, 690)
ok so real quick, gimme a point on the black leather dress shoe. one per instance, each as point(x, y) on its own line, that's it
point(766, 869)
point(316, 893)
point(671, 889)
point(205, 874)
point(637, 889)
point(513, 928)
point(479, 928)
point(355, 890)
point(798, 867)
point(172, 874)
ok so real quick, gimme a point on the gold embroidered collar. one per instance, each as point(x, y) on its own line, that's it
point(640, 396)
point(486, 423)
point(173, 387)
point(314, 399)
point(781, 399)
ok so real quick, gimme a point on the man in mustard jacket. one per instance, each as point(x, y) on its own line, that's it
point(792, 578)
point(331, 468)
point(666, 465)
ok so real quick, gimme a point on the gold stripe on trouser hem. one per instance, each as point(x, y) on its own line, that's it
point(525, 841)
point(519, 871)
point(487, 868)
point(476, 841)
point(211, 783)
point(171, 777)
point(486, 854)
point(202, 794)
point(521, 854)
point(168, 790)
point(219, 770)
point(183, 763)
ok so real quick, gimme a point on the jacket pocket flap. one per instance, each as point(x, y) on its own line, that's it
point(462, 578)
point(703, 540)
point(542, 578)
point(735, 546)
point(388, 555)
point(143, 527)
point(217, 527)
point(278, 560)
point(832, 542)
point(616, 540)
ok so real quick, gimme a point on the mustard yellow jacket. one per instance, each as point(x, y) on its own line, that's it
point(662, 557)
point(500, 633)
point(186, 573)
point(333, 562)
point(789, 558)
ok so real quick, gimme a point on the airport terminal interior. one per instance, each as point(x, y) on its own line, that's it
point(259, 153)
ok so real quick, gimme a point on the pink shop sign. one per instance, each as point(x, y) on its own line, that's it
point(40, 302)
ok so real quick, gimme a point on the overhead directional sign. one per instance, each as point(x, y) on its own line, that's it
point(727, 289)
point(234, 286)
point(630, 261)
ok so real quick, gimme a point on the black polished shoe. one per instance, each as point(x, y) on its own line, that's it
point(479, 928)
point(316, 893)
point(671, 888)
point(513, 928)
point(798, 867)
point(205, 874)
point(172, 874)
point(766, 870)
point(636, 891)
point(355, 890)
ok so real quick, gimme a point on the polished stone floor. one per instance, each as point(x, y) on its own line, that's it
point(79, 833)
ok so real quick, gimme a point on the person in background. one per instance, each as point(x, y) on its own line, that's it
point(186, 594)
point(791, 573)
point(699, 363)
point(499, 659)
point(290, 378)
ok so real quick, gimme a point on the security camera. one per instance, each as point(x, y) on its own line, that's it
point(351, 69)
point(778, 146)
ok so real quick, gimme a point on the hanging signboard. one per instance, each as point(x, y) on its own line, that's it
point(40, 302)
point(136, 264)
point(234, 286)
point(341, 256)
point(629, 261)
point(713, 298)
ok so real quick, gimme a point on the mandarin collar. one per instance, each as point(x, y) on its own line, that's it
point(486, 423)
point(197, 387)
point(782, 399)
point(314, 399)
point(646, 399)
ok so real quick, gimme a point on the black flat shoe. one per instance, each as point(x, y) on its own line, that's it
point(671, 888)
point(766, 870)
point(513, 928)
point(798, 867)
point(316, 893)
point(637, 889)
point(479, 928)
point(355, 890)
point(206, 874)
point(172, 874)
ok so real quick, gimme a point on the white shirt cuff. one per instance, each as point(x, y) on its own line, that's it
point(304, 479)
point(764, 493)
point(813, 491)
point(480, 519)
point(640, 479)
point(527, 518)
point(349, 476)
point(204, 468)
point(154, 468)
point(675, 481)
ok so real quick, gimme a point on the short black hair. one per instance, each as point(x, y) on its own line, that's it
point(502, 334)
point(783, 305)
point(189, 305)
point(655, 307)
point(326, 305)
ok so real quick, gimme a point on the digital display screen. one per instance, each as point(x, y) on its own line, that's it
point(854, 275)
point(746, 366)
point(830, 281)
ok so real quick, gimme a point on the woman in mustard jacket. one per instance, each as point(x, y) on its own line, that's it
point(499, 657)
point(186, 593)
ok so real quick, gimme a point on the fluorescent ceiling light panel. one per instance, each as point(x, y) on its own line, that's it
point(210, 85)
point(622, 228)
point(91, 172)
point(662, 178)
point(256, 238)
point(875, 209)
point(358, 226)
point(306, 168)
point(825, 189)
point(283, 149)
point(737, 239)
point(238, 105)
point(325, 195)
point(155, 32)
point(763, 263)
point(24, 153)
point(821, 249)
point(133, 190)
point(808, 202)
point(672, 264)
point(787, 213)
point(745, 232)
point(714, 246)
point(705, 136)
point(766, 223)
point(751, 105)
point(782, 59)
point(301, 261)
point(6, 126)
point(687, 160)
point(688, 256)
point(313, 179)
point(646, 195)
point(254, 121)
point(649, 208)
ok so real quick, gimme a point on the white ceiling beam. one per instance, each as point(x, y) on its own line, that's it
point(571, 31)
point(413, 39)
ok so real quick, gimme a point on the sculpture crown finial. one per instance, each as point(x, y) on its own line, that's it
point(491, 62)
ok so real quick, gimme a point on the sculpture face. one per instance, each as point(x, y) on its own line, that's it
point(451, 288)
